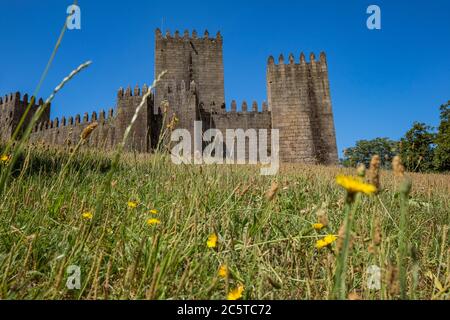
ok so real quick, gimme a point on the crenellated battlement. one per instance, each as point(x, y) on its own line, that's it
point(17, 100)
point(299, 97)
point(136, 92)
point(245, 108)
point(190, 57)
point(246, 117)
point(187, 36)
point(301, 61)
point(12, 110)
point(102, 118)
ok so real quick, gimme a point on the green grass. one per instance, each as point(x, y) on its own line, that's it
point(269, 246)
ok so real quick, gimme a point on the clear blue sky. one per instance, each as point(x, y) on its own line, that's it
point(381, 81)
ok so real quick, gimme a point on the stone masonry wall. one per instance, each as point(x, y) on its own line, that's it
point(324, 130)
point(182, 103)
point(299, 105)
point(140, 138)
point(299, 98)
point(246, 118)
point(12, 108)
point(287, 87)
point(67, 132)
point(191, 58)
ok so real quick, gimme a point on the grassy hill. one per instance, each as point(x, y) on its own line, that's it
point(145, 234)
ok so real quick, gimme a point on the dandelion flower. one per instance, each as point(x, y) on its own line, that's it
point(87, 215)
point(326, 241)
point(212, 241)
point(132, 204)
point(354, 185)
point(153, 211)
point(152, 222)
point(223, 271)
point(4, 158)
point(318, 226)
point(329, 239)
point(321, 244)
point(236, 293)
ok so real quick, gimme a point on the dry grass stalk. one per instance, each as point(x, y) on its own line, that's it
point(373, 176)
point(270, 194)
point(88, 130)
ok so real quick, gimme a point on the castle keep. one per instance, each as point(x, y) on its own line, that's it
point(298, 92)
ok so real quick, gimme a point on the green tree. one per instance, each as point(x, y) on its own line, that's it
point(442, 151)
point(364, 150)
point(417, 148)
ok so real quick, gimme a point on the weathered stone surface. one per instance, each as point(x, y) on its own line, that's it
point(299, 104)
point(12, 108)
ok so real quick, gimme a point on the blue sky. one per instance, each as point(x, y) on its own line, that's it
point(381, 81)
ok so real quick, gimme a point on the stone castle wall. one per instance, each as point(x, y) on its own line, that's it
point(191, 58)
point(299, 98)
point(299, 105)
point(67, 132)
point(12, 108)
point(140, 138)
point(245, 118)
point(111, 126)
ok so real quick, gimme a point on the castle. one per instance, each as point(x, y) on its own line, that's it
point(298, 92)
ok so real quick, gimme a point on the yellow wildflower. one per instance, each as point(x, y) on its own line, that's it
point(4, 158)
point(132, 204)
point(354, 185)
point(87, 215)
point(321, 244)
point(212, 241)
point(154, 211)
point(152, 222)
point(330, 238)
point(318, 226)
point(223, 271)
point(326, 241)
point(236, 293)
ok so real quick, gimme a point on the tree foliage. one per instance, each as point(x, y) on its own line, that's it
point(421, 149)
point(442, 141)
point(364, 150)
point(417, 147)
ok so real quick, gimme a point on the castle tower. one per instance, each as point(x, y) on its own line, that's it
point(12, 108)
point(299, 98)
point(191, 58)
point(326, 146)
point(140, 138)
point(183, 104)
